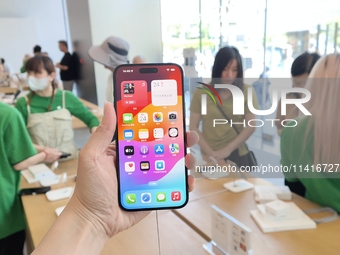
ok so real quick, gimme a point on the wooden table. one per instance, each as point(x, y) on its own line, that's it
point(322, 240)
point(8, 90)
point(205, 187)
point(176, 236)
point(40, 213)
point(95, 109)
point(140, 239)
point(184, 231)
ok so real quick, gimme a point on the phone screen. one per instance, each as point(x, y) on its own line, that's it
point(151, 142)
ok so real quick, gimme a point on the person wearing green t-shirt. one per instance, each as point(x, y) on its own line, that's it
point(311, 149)
point(222, 141)
point(300, 70)
point(16, 153)
point(48, 111)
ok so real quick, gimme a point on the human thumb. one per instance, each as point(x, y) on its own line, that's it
point(102, 137)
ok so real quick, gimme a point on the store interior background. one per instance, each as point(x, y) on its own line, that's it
point(268, 33)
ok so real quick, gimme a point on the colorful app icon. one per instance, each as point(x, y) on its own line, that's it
point(128, 134)
point(129, 167)
point(145, 198)
point(144, 150)
point(157, 116)
point(144, 165)
point(159, 149)
point(130, 198)
point(172, 116)
point(129, 150)
point(127, 118)
point(143, 134)
point(158, 133)
point(176, 196)
point(161, 197)
point(174, 148)
point(142, 117)
point(173, 132)
point(159, 165)
point(129, 88)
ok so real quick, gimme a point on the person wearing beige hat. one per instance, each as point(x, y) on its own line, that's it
point(114, 51)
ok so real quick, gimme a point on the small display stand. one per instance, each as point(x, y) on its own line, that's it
point(229, 236)
point(238, 186)
point(209, 169)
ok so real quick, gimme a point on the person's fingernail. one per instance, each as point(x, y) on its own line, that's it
point(105, 105)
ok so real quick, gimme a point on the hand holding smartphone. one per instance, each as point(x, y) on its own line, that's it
point(151, 140)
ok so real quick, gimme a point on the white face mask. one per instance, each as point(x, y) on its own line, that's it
point(37, 84)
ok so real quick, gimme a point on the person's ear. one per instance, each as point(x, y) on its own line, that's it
point(51, 76)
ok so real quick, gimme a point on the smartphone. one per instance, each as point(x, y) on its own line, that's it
point(150, 136)
point(34, 191)
point(64, 155)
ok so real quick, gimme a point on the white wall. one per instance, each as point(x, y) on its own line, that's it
point(14, 44)
point(138, 22)
point(45, 26)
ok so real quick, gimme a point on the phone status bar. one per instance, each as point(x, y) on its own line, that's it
point(165, 69)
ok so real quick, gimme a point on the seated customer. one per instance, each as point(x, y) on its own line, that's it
point(16, 153)
point(48, 111)
point(301, 68)
point(313, 145)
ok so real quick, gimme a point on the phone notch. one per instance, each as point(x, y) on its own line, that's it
point(148, 70)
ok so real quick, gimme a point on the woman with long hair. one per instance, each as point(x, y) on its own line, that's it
point(312, 147)
point(223, 142)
